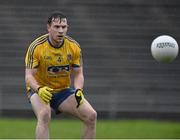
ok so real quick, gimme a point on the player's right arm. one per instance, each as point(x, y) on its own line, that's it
point(44, 92)
point(30, 80)
point(32, 63)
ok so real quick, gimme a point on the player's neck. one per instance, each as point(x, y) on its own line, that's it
point(54, 44)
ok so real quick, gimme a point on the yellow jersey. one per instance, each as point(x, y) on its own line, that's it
point(54, 65)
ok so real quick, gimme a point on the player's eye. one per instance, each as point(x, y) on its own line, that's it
point(56, 26)
point(64, 27)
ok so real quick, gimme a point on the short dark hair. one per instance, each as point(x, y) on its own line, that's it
point(55, 15)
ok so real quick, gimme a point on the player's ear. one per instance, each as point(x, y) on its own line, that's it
point(67, 27)
point(48, 27)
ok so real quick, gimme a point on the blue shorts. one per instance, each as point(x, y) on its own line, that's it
point(58, 98)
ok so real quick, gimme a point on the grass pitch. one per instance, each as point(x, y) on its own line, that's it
point(106, 129)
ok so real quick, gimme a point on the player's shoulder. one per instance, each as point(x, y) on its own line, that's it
point(72, 41)
point(39, 40)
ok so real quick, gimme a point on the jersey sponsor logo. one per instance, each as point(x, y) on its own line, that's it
point(59, 70)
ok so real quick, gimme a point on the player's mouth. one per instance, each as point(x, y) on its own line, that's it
point(60, 36)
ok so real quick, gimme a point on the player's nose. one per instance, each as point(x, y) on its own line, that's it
point(60, 30)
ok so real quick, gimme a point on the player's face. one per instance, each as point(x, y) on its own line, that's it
point(57, 30)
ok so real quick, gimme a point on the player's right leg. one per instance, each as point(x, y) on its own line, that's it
point(43, 114)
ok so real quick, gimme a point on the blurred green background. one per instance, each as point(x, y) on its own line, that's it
point(106, 129)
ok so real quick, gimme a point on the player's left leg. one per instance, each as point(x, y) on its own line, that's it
point(84, 112)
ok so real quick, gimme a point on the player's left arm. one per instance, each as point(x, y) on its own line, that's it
point(78, 77)
point(77, 65)
point(78, 84)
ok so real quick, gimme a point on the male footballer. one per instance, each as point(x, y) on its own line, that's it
point(50, 61)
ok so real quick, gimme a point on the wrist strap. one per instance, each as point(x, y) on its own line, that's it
point(38, 89)
point(79, 89)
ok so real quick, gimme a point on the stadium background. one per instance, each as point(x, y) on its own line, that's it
point(122, 80)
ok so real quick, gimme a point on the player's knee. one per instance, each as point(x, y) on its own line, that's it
point(44, 115)
point(92, 117)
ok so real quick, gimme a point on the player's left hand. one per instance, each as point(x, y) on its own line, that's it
point(79, 97)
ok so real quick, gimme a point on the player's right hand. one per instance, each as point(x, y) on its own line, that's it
point(45, 93)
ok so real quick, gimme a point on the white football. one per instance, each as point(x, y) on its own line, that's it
point(164, 49)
